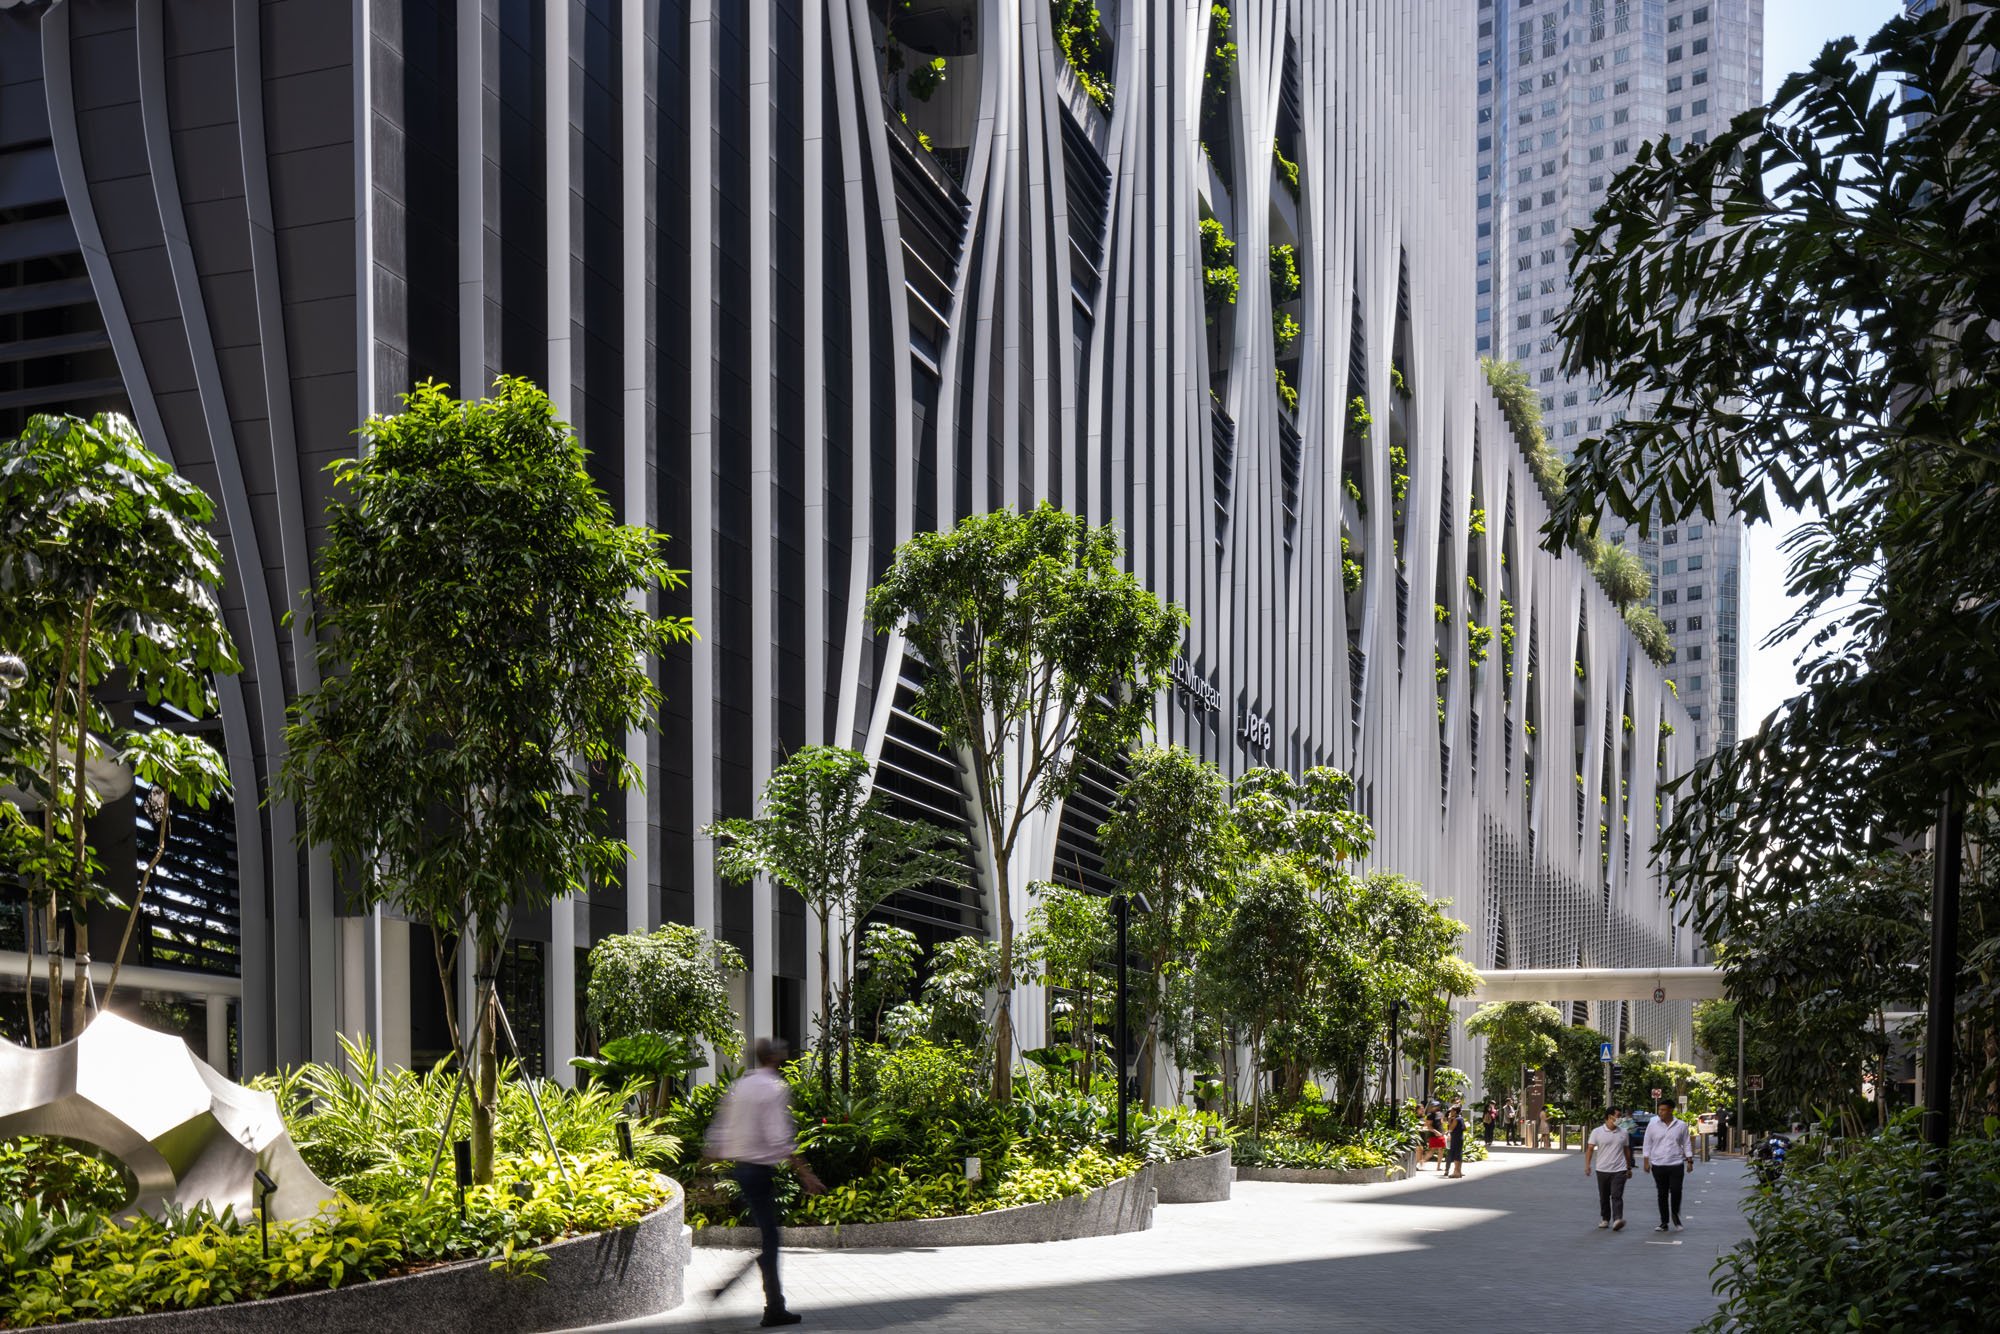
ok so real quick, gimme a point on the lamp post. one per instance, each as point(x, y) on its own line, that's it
point(1395, 1063)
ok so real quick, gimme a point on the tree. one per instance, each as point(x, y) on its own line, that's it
point(1169, 839)
point(1039, 650)
point(668, 989)
point(887, 971)
point(1072, 932)
point(107, 584)
point(1519, 1035)
point(1811, 302)
point(827, 837)
point(483, 647)
point(1434, 1005)
point(1263, 962)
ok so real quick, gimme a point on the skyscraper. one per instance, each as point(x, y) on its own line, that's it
point(1567, 91)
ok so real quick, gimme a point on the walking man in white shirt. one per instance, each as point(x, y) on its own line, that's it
point(1669, 1154)
point(753, 1128)
point(1607, 1155)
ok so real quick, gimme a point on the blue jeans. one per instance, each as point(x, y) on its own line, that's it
point(755, 1180)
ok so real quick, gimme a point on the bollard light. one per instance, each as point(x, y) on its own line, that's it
point(266, 1188)
point(625, 1140)
point(461, 1162)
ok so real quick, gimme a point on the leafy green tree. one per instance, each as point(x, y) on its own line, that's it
point(886, 973)
point(1073, 938)
point(1811, 303)
point(1171, 839)
point(1263, 963)
point(1433, 1004)
point(1519, 1035)
point(653, 996)
point(107, 583)
point(483, 653)
point(1040, 649)
point(1311, 817)
point(827, 837)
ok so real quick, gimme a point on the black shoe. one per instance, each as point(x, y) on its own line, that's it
point(780, 1318)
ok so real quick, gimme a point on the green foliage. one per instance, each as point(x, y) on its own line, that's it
point(1285, 282)
point(1622, 576)
point(1284, 332)
point(825, 835)
point(1651, 632)
point(1810, 303)
point(1288, 170)
point(887, 971)
point(1085, 45)
point(1071, 933)
point(1350, 568)
point(1041, 649)
point(482, 639)
point(925, 78)
point(1218, 267)
point(62, 1175)
point(1878, 1236)
point(108, 577)
point(1522, 407)
point(1518, 1034)
point(1288, 394)
point(670, 985)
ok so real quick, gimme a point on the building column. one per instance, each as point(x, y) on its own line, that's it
point(218, 1033)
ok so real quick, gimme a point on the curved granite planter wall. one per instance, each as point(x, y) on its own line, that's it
point(1126, 1205)
point(634, 1271)
point(1314, 1176)
point(1194, 1180)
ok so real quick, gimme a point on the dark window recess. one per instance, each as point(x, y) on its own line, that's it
point(1291, 452)
point(523, 987)
point(1291, 114)
point(919, 779)
point(1222, 429)
point(1089, 185)
point(933, 216)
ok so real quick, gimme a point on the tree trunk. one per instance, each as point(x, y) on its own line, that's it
point(139, 899)
point(1003, 1022)
point(53, 943)
point(79, 904)
point(847, 1011)
point(825, 1010)
point(486, 1101)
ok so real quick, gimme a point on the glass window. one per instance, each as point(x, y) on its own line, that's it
point(1694, 623)
point(1673, 83)
point(1668, 598)
point(1694, 532)
point(1694, 593)
point(1670, 567)
point(1699, 46)
point(1673, 53)
point(1694, 563)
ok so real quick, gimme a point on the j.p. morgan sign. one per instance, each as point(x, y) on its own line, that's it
point(1254, 727)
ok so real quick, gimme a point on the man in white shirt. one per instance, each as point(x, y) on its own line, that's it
point(1607, 1155)
point(753, 1128)
point(1669, 1154)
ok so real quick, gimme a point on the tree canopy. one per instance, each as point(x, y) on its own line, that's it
point(1810, 303)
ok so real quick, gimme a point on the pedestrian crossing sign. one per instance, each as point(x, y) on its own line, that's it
point(1604, 1052)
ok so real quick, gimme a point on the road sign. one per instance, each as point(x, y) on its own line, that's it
point(1657, 1095)
point(1604, 1052)
point(1659, 995)
point(1753, 1083)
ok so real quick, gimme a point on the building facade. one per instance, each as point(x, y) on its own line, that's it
point(1567, 91)
point(809, 278)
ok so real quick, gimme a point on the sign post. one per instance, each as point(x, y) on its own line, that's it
point(1604, 1058)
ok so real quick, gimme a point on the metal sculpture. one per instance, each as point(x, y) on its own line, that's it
point(186, 1133)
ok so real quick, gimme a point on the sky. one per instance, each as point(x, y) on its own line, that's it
point(1794, 32)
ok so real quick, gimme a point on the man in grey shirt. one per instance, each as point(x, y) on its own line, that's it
point(753, 1128)
point(1669, 1154)
point(1607, 1155)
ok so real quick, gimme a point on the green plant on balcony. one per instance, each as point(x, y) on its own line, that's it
point(926, 78)
point(1284, 332)
point(1396, 380)
point(1085, 47)
point(1350, 568)
point(1288, 393)
point(1218, 267)
point(1288, 170)
point(1478, 639)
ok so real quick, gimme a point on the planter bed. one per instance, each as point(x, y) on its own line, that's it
point(1314, 1176)
point(633, 1271)
point(1194, 1180)
point(1125, 1205)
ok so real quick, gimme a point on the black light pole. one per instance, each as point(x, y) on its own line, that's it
point(1395, 1063)
point(1944, 973)
point(1122, 911)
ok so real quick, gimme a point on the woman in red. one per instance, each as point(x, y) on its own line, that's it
point(1434, 1137)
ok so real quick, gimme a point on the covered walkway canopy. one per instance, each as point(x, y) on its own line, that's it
point(1701, 982)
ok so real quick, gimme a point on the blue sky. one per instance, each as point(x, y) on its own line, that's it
point(1794, 32)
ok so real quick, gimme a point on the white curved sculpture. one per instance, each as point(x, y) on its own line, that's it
point(187, 1133)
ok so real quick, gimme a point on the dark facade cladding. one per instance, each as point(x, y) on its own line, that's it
point(800, 304)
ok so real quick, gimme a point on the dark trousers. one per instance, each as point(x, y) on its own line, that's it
point(755, 1181)
point(1489, 1134)
point(1667, 1180)
point(1611, 1195)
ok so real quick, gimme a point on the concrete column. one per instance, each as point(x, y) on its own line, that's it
point(218, 1034)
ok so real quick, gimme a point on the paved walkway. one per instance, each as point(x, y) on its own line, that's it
point(1512, 1246)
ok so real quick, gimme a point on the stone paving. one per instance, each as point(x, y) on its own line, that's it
point(1512, 1246)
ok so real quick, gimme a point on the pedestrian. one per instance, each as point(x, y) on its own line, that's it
point(1669, 1158)
point(1434, 1138)
point(1491, 1115)
point(1607, 1156)
point(753, 1129)
point(1454, 1154)
point(1512, 1117)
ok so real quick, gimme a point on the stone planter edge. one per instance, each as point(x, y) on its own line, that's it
point(1202, 1180)
point(1124, 1205)
point(605, 1276)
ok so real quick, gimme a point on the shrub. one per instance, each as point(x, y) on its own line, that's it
point(1871, 1238)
